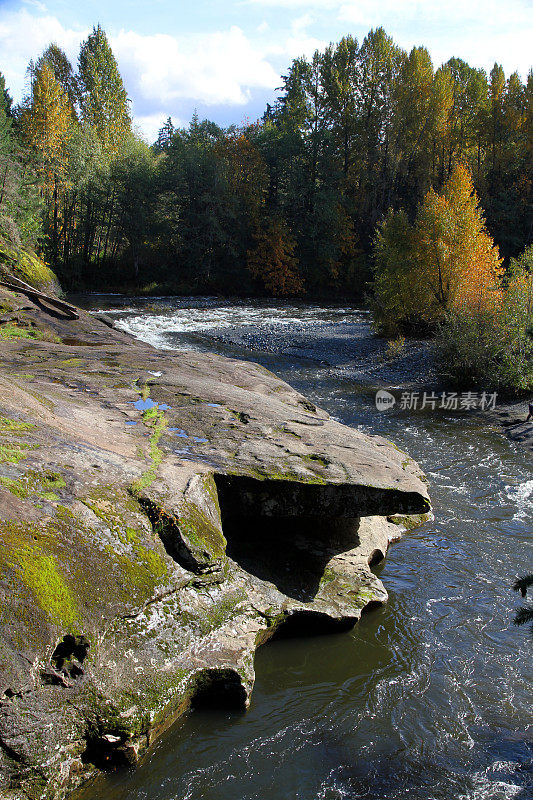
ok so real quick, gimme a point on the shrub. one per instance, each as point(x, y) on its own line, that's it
point(491, 346)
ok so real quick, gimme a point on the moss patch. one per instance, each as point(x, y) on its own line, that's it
point(154, 419)
point(43, 485)
point(276, 475)
point(8, 425)
point(25, 265)
point(12, 330)
point(222, 611)
point(12, 454)
point(40, 574)
point(142, 565)
point(73, 362)
point(200, 531)
point(410, 521)
point(316, 459)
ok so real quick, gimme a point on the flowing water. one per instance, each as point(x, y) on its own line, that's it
point(429, 697)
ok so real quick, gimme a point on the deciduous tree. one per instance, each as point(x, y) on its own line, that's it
point(103, 99)
point(272, 259)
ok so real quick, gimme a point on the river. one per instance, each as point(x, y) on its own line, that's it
point(429, 697)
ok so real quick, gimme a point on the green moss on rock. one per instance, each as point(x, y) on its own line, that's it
point(8, 425)
point(39, 572)
point(200, 531)
point(27, 266)
point(12, 454)
point(42, 485)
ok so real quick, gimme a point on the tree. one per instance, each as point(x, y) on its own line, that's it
point(414, 126)
point(272, 259)
point(460, 140)
point(395, 304)
point(20, 223)
point(490, 345)
point(58, 62)
point(458, 262)
point(6, 100)
point(340, 78)
point(103, 99)
point(524, 615)
point(445, 261)
point(133, 176)
point(164, 137)
point(46, 123)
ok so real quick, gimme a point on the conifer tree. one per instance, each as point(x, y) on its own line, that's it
point(164, 137)
point(5, 98)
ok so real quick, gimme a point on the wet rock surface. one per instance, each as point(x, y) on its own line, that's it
point(161, 516)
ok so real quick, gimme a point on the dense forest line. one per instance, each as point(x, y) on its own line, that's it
point(289, 204)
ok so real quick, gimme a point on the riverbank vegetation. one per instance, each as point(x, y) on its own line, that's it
point(489, 344)
point(285, 205)
point(373, 174)
point(442, 275)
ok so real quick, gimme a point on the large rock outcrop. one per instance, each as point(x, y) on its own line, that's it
point(162, 515)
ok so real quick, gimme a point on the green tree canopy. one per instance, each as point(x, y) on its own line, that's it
point(103, 100)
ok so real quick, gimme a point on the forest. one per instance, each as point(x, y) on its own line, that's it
point(291, 204)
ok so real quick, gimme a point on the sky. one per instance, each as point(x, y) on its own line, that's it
point(224, 58)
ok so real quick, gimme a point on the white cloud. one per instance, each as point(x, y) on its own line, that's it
point(167, 75)
point(479, 31)
point(211, 69)
point(159, 71)
point(316, 4)
point(24, 36)
point(36, 4)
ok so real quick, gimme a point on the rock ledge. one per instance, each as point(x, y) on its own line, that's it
point(161, 516)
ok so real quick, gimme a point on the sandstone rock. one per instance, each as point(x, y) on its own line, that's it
point(162, 515)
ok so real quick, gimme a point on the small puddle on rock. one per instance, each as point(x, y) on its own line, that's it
point(145, 405)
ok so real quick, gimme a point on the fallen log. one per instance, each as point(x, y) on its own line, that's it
point(11, 282)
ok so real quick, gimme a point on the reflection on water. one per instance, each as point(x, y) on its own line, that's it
point(427, 698)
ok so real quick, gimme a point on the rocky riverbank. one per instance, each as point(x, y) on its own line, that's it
point(161, 516)
point(374, 361)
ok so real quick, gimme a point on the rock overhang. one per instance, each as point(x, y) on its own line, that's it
point(145, 519)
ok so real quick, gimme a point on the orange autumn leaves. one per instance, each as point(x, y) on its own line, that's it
point(272, 259)
point(46, 122)
point(444, 261)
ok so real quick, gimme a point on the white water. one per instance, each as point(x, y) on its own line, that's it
point(428, 698)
